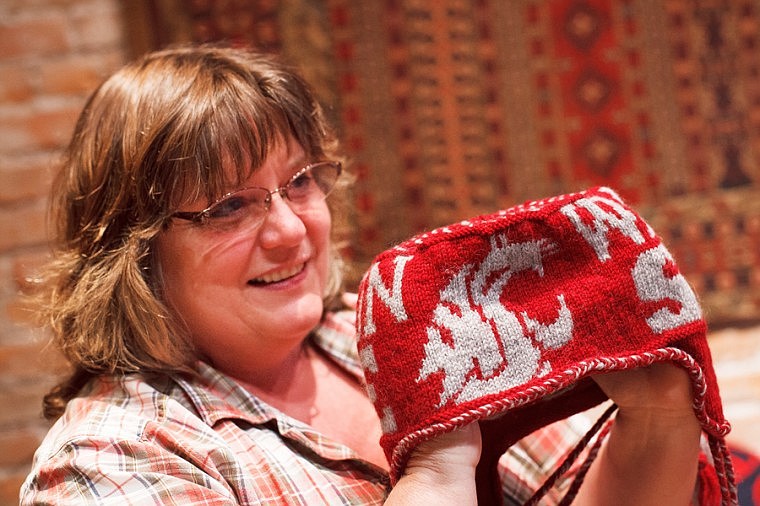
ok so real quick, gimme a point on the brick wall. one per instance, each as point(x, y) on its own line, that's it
point(52, 55)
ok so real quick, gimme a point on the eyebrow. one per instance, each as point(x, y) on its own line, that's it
point(294, 166)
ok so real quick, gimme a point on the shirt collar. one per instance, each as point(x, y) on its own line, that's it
point(216, 396)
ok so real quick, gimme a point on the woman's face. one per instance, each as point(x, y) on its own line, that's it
point(250, 297)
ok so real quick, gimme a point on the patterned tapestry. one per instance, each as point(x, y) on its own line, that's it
point(454, 108)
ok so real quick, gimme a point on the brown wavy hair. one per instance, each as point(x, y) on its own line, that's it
point(152, 134)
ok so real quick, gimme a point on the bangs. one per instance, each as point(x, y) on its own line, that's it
point(220, 137)
point(223, 148)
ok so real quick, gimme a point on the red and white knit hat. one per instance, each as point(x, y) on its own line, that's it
point(501, 319)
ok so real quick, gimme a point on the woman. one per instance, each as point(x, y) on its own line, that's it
point(196, 292)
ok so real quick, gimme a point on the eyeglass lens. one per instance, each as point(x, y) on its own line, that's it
point(308, 186)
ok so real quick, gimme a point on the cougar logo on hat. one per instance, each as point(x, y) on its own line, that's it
point(480, 328)
point(501, 319)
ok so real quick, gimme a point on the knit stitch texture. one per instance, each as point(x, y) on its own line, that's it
point(503, 318)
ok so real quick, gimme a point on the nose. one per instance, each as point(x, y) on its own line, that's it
point(282, 226)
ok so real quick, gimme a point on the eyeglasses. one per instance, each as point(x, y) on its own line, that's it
point(249, 206)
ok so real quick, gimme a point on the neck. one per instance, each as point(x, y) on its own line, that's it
point(290, 386)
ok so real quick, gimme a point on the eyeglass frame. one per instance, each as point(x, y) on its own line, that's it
point(198, 216)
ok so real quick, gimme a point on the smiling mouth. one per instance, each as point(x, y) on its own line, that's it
point(277, 276)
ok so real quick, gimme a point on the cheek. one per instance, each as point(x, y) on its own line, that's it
point(185, 269)
point(169, 260)
point(326, 251)
point(320, 227)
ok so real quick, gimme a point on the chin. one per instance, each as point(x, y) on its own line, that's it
point(306, 311)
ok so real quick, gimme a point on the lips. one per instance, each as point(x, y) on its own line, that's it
point(276, 276)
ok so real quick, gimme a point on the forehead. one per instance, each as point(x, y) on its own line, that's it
point(283, 158)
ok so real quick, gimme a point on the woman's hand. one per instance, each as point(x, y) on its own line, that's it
point(441, 471)
point(661, 388)
point(650, 457)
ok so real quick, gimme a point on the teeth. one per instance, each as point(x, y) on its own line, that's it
point(279, 276)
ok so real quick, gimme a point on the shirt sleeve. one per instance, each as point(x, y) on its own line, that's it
point(122, 473)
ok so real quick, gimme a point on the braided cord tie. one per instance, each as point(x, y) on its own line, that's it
point(601, 426)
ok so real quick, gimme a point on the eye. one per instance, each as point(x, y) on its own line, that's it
point(250, 202)
point(227, 208)
point(301, 185)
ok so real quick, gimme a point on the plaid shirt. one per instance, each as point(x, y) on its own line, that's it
point(208, 441)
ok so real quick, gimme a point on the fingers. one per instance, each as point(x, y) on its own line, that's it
point(661, 386)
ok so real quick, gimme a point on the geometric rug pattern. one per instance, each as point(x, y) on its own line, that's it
point(455, 108)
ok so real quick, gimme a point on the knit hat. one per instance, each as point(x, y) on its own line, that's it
point(503, 318)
